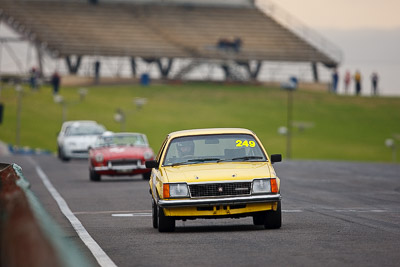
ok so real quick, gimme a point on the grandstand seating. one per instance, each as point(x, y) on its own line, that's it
point(155, 31)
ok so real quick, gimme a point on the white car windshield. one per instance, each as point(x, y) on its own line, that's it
point(84, 129)
point(121, 140)
point(213, 148)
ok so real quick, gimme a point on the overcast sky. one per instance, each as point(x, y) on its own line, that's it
point(344, 14)
point(367, 32)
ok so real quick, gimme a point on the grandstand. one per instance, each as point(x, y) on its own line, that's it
point(228, 33)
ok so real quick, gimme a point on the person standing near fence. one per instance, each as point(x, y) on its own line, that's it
point(55, 82)
point(374, 83)
point(335, 80)
point(347, 80)
point(357, 80)
point(33, 78)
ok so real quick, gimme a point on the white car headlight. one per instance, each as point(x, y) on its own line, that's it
point(178, 190)
point(99, 157)
point(71, 144)
point(261, 186)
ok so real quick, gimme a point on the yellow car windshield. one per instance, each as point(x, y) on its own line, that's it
point(213, 148)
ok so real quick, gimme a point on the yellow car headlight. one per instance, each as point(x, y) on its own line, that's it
point(261, 186)
point(175, 190)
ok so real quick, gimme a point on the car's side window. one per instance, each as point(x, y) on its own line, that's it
point(67, 130)
point(158, 158)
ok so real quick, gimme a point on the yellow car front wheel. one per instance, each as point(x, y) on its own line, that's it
point(273, 219)
point(165, 223)
point(154, 214)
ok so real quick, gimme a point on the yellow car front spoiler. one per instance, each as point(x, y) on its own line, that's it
point(218, 201)
point(223, 211)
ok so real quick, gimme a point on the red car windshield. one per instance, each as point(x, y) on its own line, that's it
point(121, 140)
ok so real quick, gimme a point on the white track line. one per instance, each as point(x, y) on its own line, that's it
point(96, 250)
point(110, 212)
point(292, 211)
point(131, 215)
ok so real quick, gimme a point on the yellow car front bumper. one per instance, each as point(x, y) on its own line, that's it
point(218, 201)
point(222, 210)
point(219, 206)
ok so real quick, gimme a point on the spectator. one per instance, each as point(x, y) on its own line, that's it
point(228, 45)
point(237, 44)
point(97, 72)
point(374, 81)
point(335, 79)
point(223, 43)
point(55, 82)
point(347, 80)
point(357, 80)
point(33, 79)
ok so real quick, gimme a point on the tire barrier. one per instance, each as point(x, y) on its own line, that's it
point(27, 151)
point(28, 236)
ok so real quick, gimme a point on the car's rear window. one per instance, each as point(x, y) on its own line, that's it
point(213, 148)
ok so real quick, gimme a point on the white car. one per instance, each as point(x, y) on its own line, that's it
point(76, 137)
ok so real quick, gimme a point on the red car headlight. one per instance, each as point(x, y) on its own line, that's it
point(99, 157)
point(148, 155)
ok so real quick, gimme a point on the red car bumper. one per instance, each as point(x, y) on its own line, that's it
point(115, 170)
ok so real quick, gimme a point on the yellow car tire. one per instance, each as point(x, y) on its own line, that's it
point(154, 214)
point(273, 219)
point(259, 218)
point(165, 223)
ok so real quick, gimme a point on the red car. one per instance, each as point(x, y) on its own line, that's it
point(117, 154)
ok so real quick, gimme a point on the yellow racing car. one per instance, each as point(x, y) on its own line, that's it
point(214, 173)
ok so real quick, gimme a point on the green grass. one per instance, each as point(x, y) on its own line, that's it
point(345, 127)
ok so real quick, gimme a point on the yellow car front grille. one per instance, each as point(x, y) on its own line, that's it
point(220, 189)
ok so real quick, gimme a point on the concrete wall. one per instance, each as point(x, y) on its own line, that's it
point(22, 241)
point(237, 3)
point(28, 236)
point(191, 2)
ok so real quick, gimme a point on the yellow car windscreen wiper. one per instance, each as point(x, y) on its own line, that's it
point(248, 158)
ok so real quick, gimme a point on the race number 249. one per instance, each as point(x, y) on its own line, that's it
point(240, 143)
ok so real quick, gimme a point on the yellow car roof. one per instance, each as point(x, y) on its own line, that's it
point(210, 131)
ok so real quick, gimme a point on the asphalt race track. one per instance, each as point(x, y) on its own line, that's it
point(334, 214)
